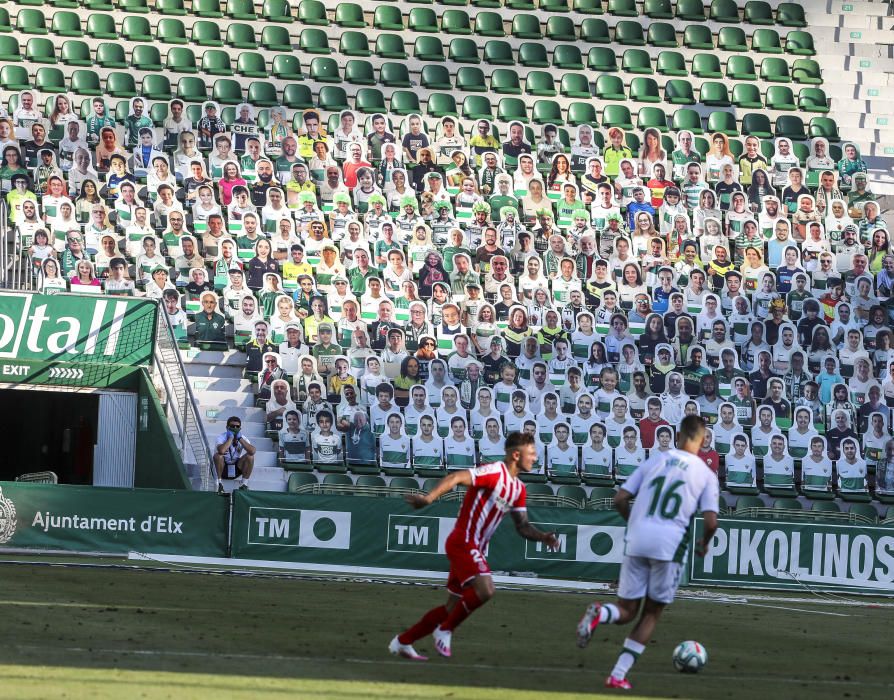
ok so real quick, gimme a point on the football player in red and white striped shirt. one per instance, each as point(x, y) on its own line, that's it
point(493, 490)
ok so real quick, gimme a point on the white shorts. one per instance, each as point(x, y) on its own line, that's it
point(641, 577)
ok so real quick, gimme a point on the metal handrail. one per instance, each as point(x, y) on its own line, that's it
point(181, 404)
point(811, 515)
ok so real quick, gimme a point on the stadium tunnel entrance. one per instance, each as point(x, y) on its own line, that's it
point(84, 436)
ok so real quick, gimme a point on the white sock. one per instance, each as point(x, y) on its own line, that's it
point(609, 614)
point(245, 480)
point(629, 654)
point(219, 482)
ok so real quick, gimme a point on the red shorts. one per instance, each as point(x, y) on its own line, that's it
point(466, 562)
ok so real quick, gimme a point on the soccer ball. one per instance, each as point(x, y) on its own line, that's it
point(690, 657)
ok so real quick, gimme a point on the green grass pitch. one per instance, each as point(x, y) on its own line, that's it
point(78, 633)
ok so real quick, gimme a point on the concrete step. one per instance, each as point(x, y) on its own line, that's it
point(214, 414)
point(214, 372)
point(224, 399)
point(254, 431)
point(208, 357)
point(220, 384)
point(231, 485)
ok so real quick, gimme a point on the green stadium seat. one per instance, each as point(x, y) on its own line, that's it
point(441, 104)
point(393, 74)
point(747, 96)
point(206, 33)
point(313, 41)
point(540, 83)
point(297, 96)
point(156, 87)
point(723, 122)
point(594, 30)
point(136, 29)
point(512, 109)
point(825, 507)
point(277, 11)
point(602, 59)
point(732, 39)
point(30, 21)
point(504, 81)
point(85, 82)
point(575, 85)
point(332, 98)
point(111, 56)
point(121, 85)
point(787, 504)
point(354, 44)
point(103, 5)
point(390, 46)
point(781, 97)
point(582, 113)
point(825, 128)
point(560, 29)
point(799, 44)
point(489, 24)
point(790, 14)
point(436, 77)
point(299, 479)
point(403, 482)
point(623, 8)
point(313, 13)
point(359, 72)
point(567, 57)
point(574, 493)
point(349, 15)
point(50, 80)
point(172, 8)
point(405, 102)
point(629, 33)
point(714, 94)
point(336, 482)
point(678, 92)
point(325, 70)
point(370, 101)
point(671, 63)
point(388, 18)
point(747, 502)
point(616, 115)
point(66, 24)
point(658, 9)
point(5, 23)
point(775, 70)
point(373, 481)
point(813, 100)
point(428, 48)
point(865, 510)
point(758, 12)
point(526, 27)
point(209, 9)
point(687, 119)
point(477, 107)
point(706, 65)
point(526, 5)
point(40, 50)
point(251, 65)
point(610, 87)
point(229, 92)
point(146, 57)
point(103, 27)
point(588, 7)
point(651, 118)
point(757, 125)
point(553, 5)
point(242, 10)
point(242, 36)
point(182, 60)
point(14, 78)
point(470, 79)
point(766, 41)
point(690, 10)
point(698, 36)
point(134, 6)
point(216, 63)
point(663, 35)
point(75, 53)
point(287, 67)
point(168, 30)
point(456, 22)
point(636, 61)
point(533, 55)
point(740, 68)
point(423, 19)
point(646, 90)
point(806, 71)
point(192, 89)
point(463, 51)
point(276, 39)
point(725, 11)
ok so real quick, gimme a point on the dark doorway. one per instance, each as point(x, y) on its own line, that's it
point(47, 430)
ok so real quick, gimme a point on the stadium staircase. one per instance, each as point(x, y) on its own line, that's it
point(221, 391)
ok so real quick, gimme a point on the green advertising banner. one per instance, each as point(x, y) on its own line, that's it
point(76, 328)
point(774, 554)
point(93, 519)
point(386, 533)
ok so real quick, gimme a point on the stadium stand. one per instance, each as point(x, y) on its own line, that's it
point(676, 200)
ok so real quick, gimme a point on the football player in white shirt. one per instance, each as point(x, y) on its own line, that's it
point(674, 485)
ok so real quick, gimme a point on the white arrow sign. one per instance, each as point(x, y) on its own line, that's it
point(66, 373)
